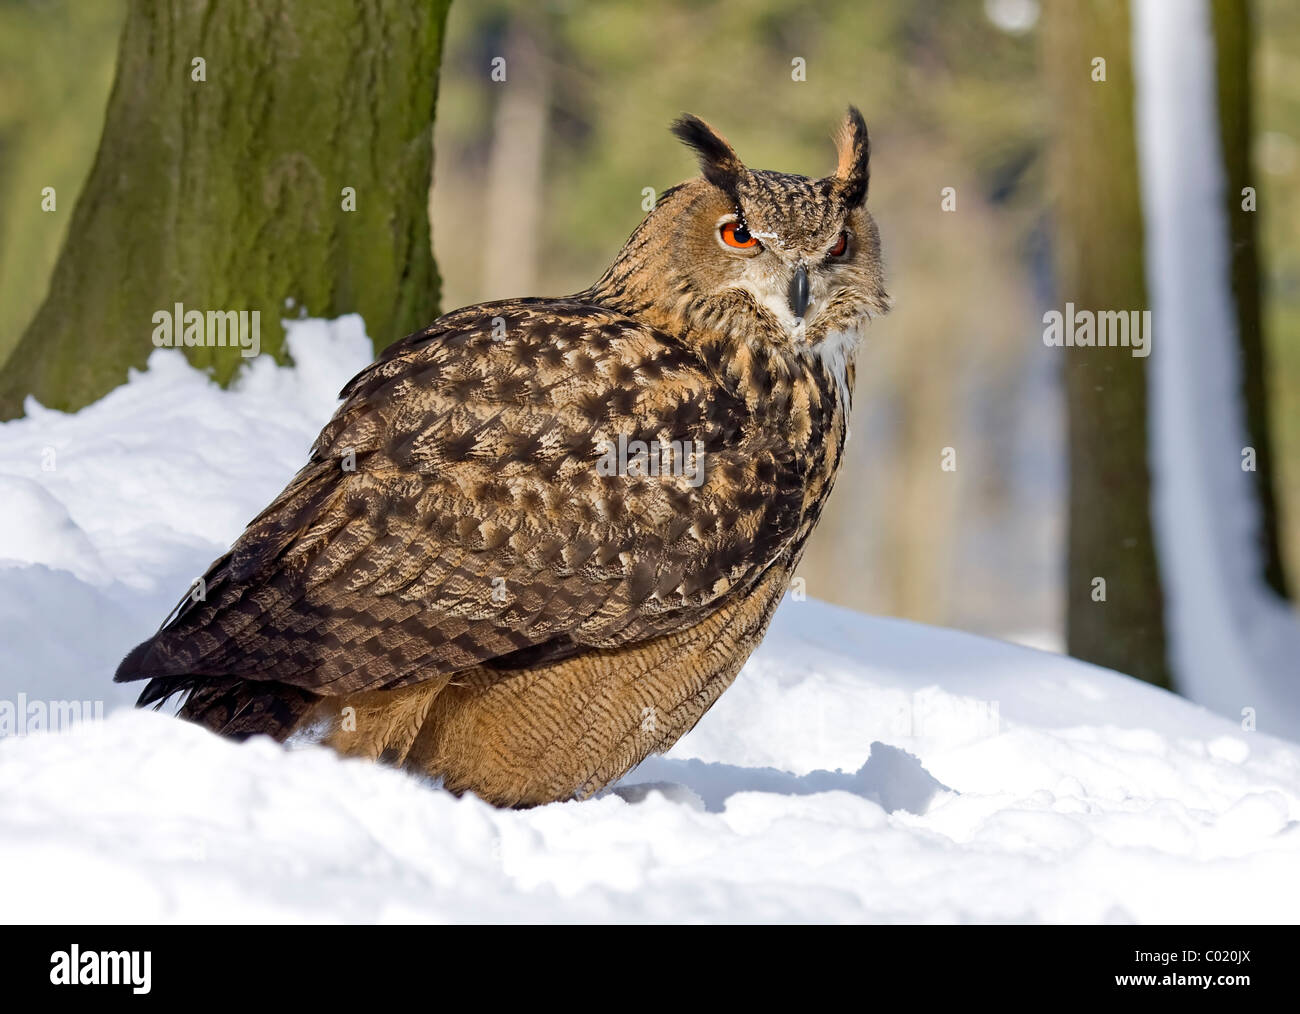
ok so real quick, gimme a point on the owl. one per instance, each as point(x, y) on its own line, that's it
point(538, 539)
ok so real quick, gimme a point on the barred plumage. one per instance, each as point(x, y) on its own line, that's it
point(453, 584)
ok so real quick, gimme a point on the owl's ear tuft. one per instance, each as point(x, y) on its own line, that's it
point(718, 161)
point(852, 170)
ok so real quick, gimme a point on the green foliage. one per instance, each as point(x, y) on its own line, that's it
point(623, 71)
point(50, 115)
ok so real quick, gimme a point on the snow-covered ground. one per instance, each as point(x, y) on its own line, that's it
point(859, 769)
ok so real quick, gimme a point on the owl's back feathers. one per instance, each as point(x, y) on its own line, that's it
point(453, 513)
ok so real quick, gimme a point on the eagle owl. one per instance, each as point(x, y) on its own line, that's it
point(539, 538)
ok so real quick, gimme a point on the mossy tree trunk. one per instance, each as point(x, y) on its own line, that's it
point(1099, 261)
point(227, 193)
point(1233, 40)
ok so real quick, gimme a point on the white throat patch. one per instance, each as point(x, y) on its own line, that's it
point(834, 351)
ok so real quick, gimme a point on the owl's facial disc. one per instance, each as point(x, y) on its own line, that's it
point(766, 267)
point(790, 270)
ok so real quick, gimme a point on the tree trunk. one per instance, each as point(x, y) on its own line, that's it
point(1099, 255)
point(1233, 41)
point(1233, 640)
point(227, 194)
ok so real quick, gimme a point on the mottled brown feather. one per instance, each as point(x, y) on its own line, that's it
point(451, 583)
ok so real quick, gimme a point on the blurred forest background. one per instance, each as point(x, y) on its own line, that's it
point(536, 187)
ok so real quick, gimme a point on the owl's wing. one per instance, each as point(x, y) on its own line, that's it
point(458, 510)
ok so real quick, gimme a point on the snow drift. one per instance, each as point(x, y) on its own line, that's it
point(859, 769)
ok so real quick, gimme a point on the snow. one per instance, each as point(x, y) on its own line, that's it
point(859, 769)
point(1234, 643)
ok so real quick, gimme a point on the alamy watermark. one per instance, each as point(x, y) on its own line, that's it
point(1071, 328)
point(179, 327)
point(75, 967)
point(681, 458)
point(21, 716)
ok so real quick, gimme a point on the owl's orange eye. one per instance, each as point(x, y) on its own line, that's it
point(841, 245)
point(736, 235)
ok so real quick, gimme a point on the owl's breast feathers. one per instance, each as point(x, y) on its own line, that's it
point(453, 513)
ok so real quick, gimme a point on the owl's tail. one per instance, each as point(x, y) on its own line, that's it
point(241, 708)
point(229, 706)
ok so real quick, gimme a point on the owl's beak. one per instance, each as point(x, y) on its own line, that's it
point(799, 292)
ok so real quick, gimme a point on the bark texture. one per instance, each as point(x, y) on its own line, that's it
point(1099, 262)
point(227, 193)
point(1233, 41)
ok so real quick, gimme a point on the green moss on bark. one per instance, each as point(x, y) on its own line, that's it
point(227, 193)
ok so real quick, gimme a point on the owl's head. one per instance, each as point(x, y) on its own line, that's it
point(764, 253)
